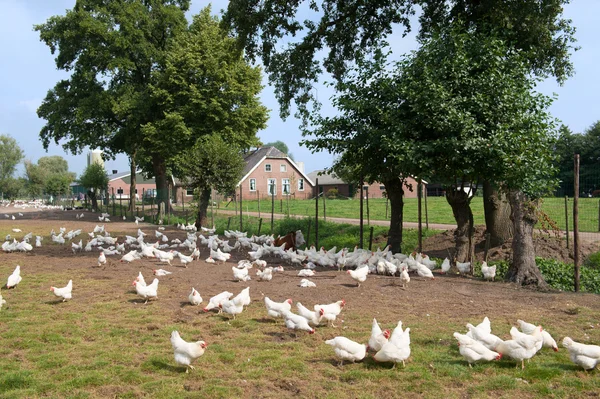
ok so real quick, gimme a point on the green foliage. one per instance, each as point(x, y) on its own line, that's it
point(281, 146)
point(537, 29)
point(50, 175)
point(13, 188)
point(57, 184)
point(212, 163)
point(333, 193)
point(10, 156)
point(94, 178)
point(593, 261)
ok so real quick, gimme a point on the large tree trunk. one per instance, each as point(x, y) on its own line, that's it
point(523, 269)
point(395, 193)
point(463, 235)
point(203, 201)
point(132, 169)
point(497, 215)
point(94, 200)
point(162, 186)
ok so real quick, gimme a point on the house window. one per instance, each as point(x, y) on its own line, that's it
point(271, 183)
point(267, 167)
point(120, 191)
point(300, 184)
point(365, 187)
point(382, 187)
point(252, 184)
point(283, 167)
point(189, 192)
point(285, 186)
point(136, 190)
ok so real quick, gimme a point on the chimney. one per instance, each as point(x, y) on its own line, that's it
point(114, 171)
point(300, 166)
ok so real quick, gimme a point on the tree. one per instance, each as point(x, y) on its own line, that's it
point(281, 146)
point(50, 175)
point(112, 49)
point(362, 136)
point(212, 164)
point(470, 106)
point(10, 156)
point(13, 188)
point(95, 179)
point(353, 30)
point(204, 88)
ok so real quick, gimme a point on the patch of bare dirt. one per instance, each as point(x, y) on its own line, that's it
point(546, 246)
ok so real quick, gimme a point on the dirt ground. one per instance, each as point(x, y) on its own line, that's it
point(447, 296)
point(546, 246)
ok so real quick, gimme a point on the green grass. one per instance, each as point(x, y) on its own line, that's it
point(438, 210)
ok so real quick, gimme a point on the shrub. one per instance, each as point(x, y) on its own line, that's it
point(332, 193)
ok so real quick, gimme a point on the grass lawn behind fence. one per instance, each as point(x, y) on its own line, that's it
point(438, 210)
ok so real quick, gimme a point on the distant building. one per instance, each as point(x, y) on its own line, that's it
point(269, 172)
point(376, 190)
point(121, 182)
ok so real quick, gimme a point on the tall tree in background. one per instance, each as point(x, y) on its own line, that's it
point(10, 156)
point(281, 146)
point(112, 49)
point(212, 164)
point(95, 179)
point(204, 87)
point(50, 175)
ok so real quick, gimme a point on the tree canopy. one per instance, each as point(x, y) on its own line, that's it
point(147, 83)
point(281, 146)
point(10, 156)
point(95, 179)
point(50, 175)
point(353, 30)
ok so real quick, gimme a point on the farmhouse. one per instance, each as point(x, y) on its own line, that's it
point(269, 172)
point(121, 182)
point(376, 190)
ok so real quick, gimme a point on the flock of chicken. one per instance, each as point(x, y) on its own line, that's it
point(478, 344)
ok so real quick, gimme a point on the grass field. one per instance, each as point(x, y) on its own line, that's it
point(438, 210)
point(106, 344)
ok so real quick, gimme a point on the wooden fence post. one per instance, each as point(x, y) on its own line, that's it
point(567, 219)
point(229, 222)
point(114, 202)
point(426, 213)
point(576, 223)
point(259, 226)
point(121, 205)
point(368, 209)
point(370, 238)
point(324, 208)
point(419, 217)
point(273, 205)
point(317, 215)
point(360, 244)
point(241, 220)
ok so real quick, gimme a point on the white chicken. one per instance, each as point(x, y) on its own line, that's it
point(161, 272)
point(186, 352)
point(489, 272)
point(274, 309)
point(474, 351)
point(314, 318)
point(306, 283)
point(360, 274)
point(194, 297)
point(485, 327)
point(2, 301)
point(423, 271)
point(378, 338)
point(240, 274)
point(243, 297)
point(265, 275)
point(76, 247)
point(184, 259)
point(147, 291)
point(488, 340)
point(404, 277)
point(306, 273)
point(586, 356)
point(296, 322)
point(232, 307)
point(529, 328)
point(64, 292)
point(331, 311)
point(397, 349)
point(463, 267)
point(101, 259)
point(15, 278)
point(524, 347)
point(215, 301)
point(140, 279)
point(445, 266)
point(346, 349)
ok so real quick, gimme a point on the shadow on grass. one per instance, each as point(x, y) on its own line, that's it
point(282, 336)
point(264, 320)
point(53, 302)
point(159, 364)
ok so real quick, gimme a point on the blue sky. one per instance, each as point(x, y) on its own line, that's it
point(27, 72)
